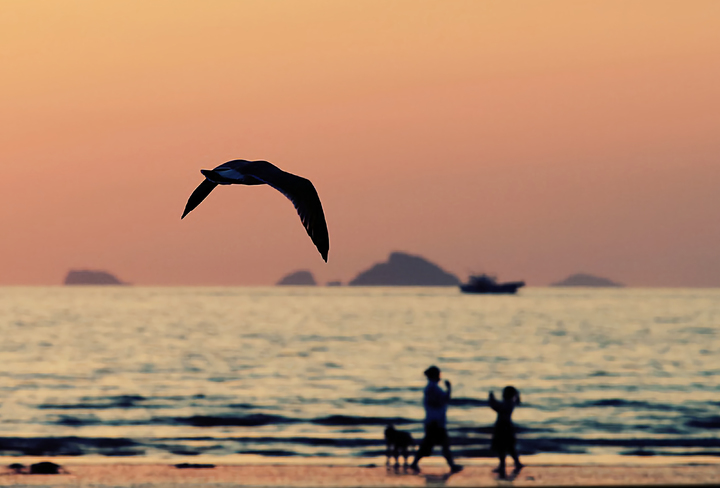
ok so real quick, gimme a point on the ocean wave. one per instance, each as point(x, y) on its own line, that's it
point(341, 420)
point(337, 446)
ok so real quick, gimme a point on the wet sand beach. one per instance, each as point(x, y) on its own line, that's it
point(305, 475)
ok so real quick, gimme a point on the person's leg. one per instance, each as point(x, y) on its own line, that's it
point(501, 467)
point(447, 454)
point(425, 449)
point(433, 437)
point(516, 460)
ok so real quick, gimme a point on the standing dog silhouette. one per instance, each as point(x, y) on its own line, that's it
point(397, 443)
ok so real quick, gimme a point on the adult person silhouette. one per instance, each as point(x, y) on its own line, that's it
point(435, 401)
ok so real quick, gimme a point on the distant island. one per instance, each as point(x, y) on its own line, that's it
point(298, 278)
point(405, 270)
point(582, 279)
point(334, 283)
point(90, 277)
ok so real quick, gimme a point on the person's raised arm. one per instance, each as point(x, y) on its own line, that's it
point(494, 404)
point(448, 385)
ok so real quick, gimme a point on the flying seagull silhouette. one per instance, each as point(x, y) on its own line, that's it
point(298, 190)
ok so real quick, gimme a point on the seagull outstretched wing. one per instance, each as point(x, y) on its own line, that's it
point(202, 191)
point(301, 192)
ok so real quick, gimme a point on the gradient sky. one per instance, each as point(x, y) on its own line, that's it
point(529, 139)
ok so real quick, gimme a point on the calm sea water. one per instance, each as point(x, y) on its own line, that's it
point(126, 371)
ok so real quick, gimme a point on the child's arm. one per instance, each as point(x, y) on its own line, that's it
point(494, 404)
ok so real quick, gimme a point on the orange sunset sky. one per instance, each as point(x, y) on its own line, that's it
point(531, 139)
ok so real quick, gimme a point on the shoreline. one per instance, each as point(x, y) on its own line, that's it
point(377, 461)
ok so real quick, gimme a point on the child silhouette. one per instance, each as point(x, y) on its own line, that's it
point(503, 439)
